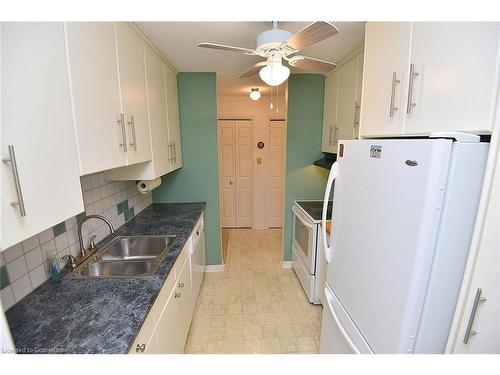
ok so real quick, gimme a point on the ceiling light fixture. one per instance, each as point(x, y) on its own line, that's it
point(255, 94)
point(274, 73)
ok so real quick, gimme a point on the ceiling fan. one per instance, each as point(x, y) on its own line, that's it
point(277, 44)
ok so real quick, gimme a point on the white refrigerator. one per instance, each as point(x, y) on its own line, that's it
point(402, 221)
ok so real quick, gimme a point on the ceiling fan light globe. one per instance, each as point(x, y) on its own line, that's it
point(255, 95)
point(274, 74)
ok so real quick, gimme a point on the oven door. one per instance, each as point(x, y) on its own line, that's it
point(304, 239)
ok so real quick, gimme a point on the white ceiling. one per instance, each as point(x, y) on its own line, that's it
point(179, 43)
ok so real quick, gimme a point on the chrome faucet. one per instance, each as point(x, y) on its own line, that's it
point(83, 252)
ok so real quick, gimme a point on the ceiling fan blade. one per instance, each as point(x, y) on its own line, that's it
point(308, 63)
point(312, 34)
point(254, 69)
point(223, 47)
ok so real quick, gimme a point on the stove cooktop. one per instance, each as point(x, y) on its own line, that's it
point(315, 209)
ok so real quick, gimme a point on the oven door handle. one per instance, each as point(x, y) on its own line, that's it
point(331, 177)
point(301, 218)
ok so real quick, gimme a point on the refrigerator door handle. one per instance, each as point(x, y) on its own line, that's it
point(329, 184)
point(337, 322)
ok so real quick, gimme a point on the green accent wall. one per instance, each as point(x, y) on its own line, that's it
point(304, 128)
point(197, 180)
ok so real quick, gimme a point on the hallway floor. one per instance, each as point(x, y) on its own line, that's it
point(254, 306)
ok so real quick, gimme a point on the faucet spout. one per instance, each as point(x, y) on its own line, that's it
point(80, 237)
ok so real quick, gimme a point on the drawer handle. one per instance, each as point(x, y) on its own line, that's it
point(181, 285)
point(140, 348)
point(177, 295)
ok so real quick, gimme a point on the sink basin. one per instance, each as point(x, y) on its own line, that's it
point(126, 256)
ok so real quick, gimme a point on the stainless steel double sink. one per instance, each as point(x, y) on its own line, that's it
point(126, 256)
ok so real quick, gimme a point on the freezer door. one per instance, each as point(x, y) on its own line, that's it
point(387, 205)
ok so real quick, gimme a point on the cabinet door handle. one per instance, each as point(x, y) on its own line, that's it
point(335, 128)
point(410, 104)
point(177, 295)
point(395, 82)
point(330, 136)
point(469, 331)
point(132, 129)
point(121, 123)
point(181, 285)
point(17, 182)
point(356, 121)
point(140, 348)
point(175, 151)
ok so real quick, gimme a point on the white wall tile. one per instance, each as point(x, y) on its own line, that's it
point(7, 298)
point(94, 180)
point(48, 248)
point(13, 252)
point(2, 260)
point(31, 243)
point(61, 242)
point(34, 258)
point(21, 287)
point(46, 236)
point(16, 268)
point(71, 223)
point(38, 276)
point(72, 235)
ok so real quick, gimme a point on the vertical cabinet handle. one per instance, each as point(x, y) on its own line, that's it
point(356, 121)
point(335, 128)
point(469, 331)
point(410, 104)
point(330, 136)
point(132, 129)
point(169, 146)
point(121, 123)
point(395, 82)
point(17, 183)
point(175, 151)
point(140, 348)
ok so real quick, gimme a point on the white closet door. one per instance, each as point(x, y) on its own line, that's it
point(244, 157)
point(132, 73)
point(227, 178)
point(277, 136)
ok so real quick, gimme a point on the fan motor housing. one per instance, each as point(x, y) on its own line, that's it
point(272, 39)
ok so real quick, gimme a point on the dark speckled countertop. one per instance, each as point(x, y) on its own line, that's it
point(101, 315)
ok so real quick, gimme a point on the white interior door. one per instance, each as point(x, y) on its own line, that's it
point(244, 192)
point(227, 160)
point(277, 138)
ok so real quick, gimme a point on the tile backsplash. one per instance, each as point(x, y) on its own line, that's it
point(24, 266)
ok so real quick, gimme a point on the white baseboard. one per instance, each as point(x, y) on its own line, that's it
point(214, 268)
point(286, 264)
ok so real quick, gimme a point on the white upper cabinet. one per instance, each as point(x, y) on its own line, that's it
point(93, 68)
point(37, 125)
point(174, 130)
point(385, 76)
point(329, 113)
point(341, 103)
point(132, 77)
point(455, 82)
point(163, 124)
point(429, 77)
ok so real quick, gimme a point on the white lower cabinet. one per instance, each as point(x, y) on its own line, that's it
point(166, 327)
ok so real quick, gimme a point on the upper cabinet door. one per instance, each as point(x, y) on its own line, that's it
point(330, 113)
point(385, 77)
point(95, 95)
point(455, 79)
point(174, 130)
point(132, 75)
point(37, 123)
point(157, 107)
point(347, 106)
